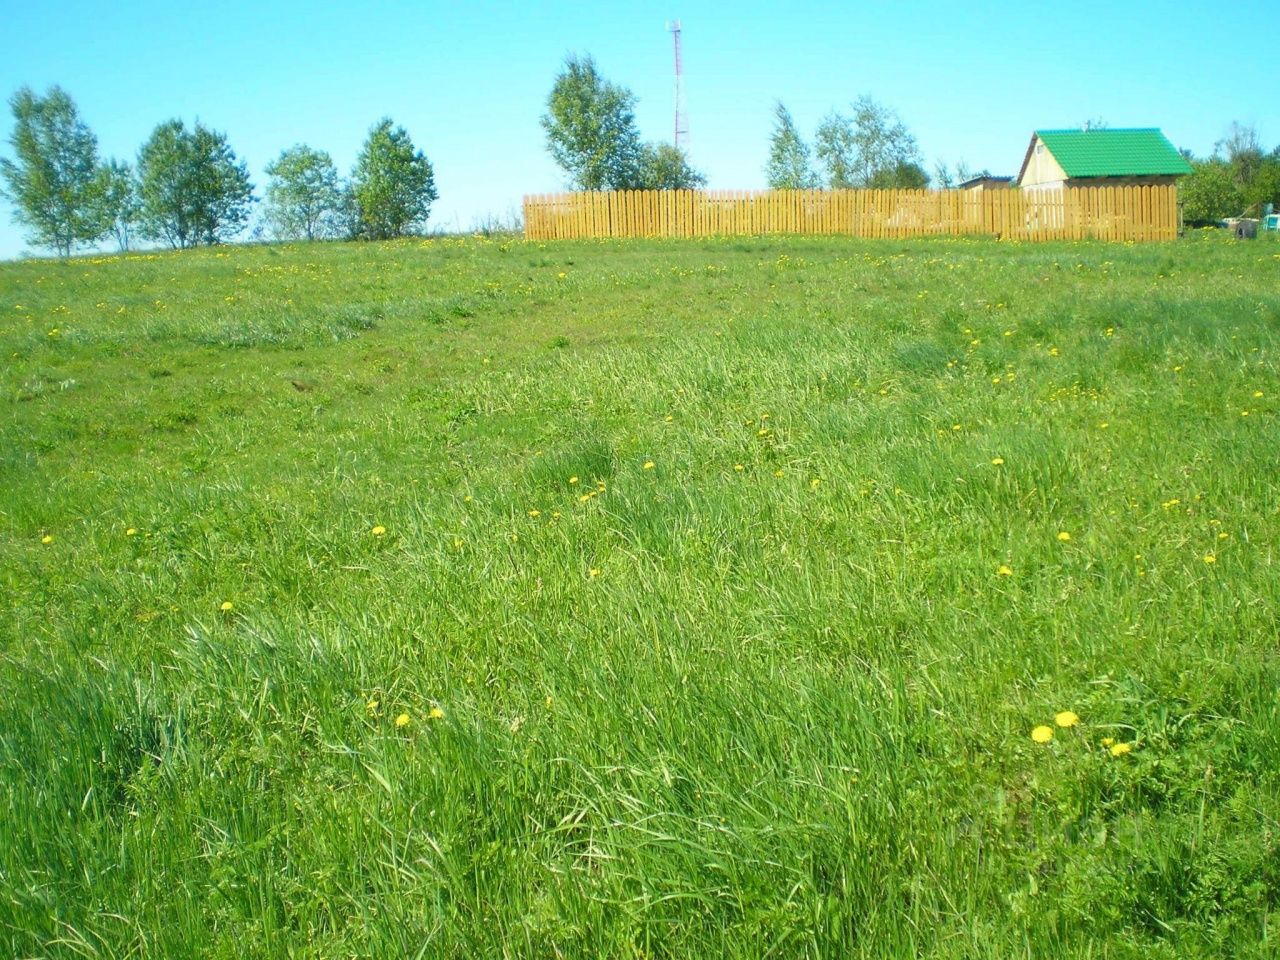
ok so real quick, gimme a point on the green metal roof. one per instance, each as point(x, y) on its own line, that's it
point(1114, 153)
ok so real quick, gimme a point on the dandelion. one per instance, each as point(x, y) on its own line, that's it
point(402, 721)
point(1042, 733)
point(1004, 571)
point(1108, 741)
point(997, 461)
point(379, 530)
point(1066, 718)
point(1103, 425)
point(372, 706)
point(561, 275)
point(573, 480)
point(1120, 749)
point(594, 572)
point(1063, 536)
point(956, 426)
point(1224, 535)
point(1257, 394)
point(131, 532)
point(815, 483)
point(535, 513)
point(226, 606)
point(1210, 558)
point(777, 473)
point(47, 539)
point(435, 714)
point(648, 465)
point(668, 418)
point(467, 498)
point(738, 467)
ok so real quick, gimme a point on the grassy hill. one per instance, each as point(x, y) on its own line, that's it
point(466, 598)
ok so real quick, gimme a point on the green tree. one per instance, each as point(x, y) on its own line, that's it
point(591, 129)
point(872, 147)
point(788, 167)
point(118, 201)
point(53, 180)
point(1210, 192)
point(192, 188)
point(303, 195)
point(664, 167)
point(393, 185)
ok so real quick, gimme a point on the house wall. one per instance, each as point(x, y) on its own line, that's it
point(1120, 181)
point(1042, 168)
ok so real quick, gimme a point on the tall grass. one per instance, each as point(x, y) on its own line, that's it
point(648, 599)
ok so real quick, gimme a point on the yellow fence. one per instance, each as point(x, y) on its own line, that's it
point(1105, 213)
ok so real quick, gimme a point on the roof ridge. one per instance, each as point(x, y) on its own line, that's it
point(1098, 130)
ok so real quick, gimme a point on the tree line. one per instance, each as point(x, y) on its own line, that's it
point(1238, 179)
point(189, 188)
point(592, 136)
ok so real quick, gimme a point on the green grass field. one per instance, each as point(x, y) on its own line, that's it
point(482, 598)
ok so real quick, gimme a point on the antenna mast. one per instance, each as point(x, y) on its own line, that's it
point(681, 137)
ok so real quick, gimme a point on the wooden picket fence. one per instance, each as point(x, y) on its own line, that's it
point(1104, 213)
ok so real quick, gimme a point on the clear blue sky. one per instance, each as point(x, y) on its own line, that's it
point(470, 80)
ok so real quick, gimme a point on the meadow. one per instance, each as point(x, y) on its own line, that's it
point(787, 597)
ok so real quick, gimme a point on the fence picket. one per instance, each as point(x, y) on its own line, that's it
point(1138, 213)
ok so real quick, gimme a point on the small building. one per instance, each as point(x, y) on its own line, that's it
point(987, 182)
point(1062, 159)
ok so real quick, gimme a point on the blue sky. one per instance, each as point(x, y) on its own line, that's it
point(470, 80)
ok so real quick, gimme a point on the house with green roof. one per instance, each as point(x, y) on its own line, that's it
point(1062, 159)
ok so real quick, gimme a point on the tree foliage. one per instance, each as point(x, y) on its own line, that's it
point(870, 148)
point(664, 167)
point(54, 181)
point(1238, 180)
point(303, 195)
point(192, 188)
point(591, 129)
point(393, 185)
point(118, 202)
point(789, 165)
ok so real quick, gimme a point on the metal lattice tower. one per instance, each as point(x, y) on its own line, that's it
point(681, 138)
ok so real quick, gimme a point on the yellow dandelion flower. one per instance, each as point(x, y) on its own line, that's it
point(535, 513)
point(956, 426)
point(1004, 571)
point(585, 497)
point(1063, 536)
point(777, 473)
point(226, 606)
point(436, 714)
point(467, 498)
point(1224, 535)
point(997, 461)
point(379, 530)
point(648, 465)
point(1066, 718)
point(47, 538)
point(402, 720)
point(1103, 425)
point(815, 483)
point(573, 480)
point(371, 706)
point(1042, 733)
point(1257, 394)
point(1108, 741)
point(132, 531)
point(668, 418)
point(1210, 558)
point(738, 467)
point(1120, 749)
